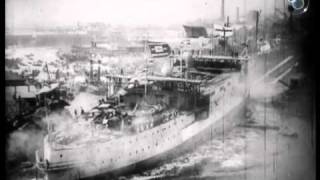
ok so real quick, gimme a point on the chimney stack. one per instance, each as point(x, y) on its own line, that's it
point(222, 10)
point(238, 15)
point(228, 22)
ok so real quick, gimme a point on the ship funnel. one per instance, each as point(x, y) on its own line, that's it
point(222, 10)
point(187, 56)
point(189, 63)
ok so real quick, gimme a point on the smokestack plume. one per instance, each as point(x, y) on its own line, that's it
point(222, 10)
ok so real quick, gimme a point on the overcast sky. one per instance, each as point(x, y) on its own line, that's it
point(129, 12)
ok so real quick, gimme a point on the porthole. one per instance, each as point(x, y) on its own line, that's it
point(60, 155)
point(136, 151)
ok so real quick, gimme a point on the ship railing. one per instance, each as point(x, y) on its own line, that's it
point(220, 58)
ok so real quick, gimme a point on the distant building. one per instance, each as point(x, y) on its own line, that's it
point(20, 97)
point(20, 89)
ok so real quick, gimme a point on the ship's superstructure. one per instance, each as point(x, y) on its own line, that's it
point(149, 115)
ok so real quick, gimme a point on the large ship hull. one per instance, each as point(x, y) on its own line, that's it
point(190, 137)
point(223, 125)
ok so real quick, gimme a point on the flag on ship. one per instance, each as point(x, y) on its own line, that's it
point(159, 49)
point(220, 31)
point(195, 31)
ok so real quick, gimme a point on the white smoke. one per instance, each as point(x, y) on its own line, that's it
point(234, 162)
point(22, 144)
point(261, 86)
point(267, 90)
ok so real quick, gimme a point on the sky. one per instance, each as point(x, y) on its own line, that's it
point(30, 13)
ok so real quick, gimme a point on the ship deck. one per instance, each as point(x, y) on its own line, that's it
point(83, 135)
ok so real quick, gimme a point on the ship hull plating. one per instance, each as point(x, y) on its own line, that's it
point(215, 129)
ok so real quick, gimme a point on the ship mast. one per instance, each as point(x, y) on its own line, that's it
point(146, 69)
point(181, 56)
point(212, 43)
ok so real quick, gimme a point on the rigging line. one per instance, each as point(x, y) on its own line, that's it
point(265, 116)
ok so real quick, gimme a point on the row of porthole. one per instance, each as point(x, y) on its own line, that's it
point(148, 126)
point(111, 160)
point(150, 147)
point(143, 127)
point(130, 142)
point(169, 126)
point(129, 153)
point(144, 136)
point(98, 150)
point(142, 149)
point(153, 134)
